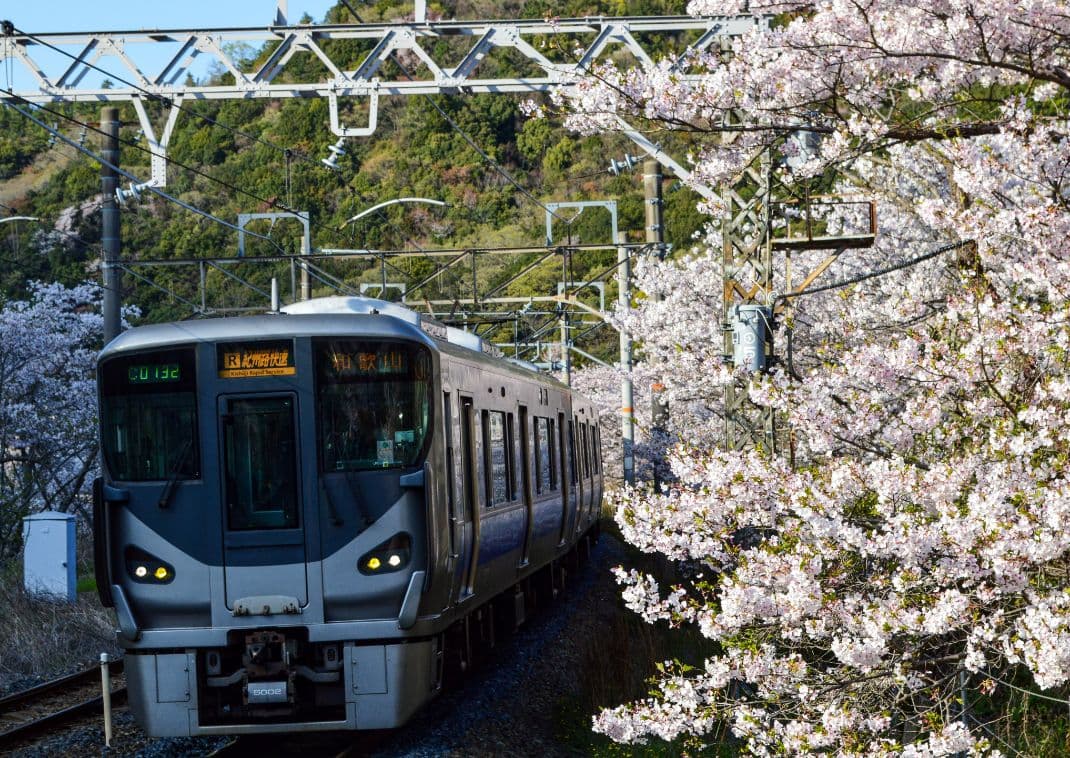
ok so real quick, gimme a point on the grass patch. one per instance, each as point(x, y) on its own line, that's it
point(44, 638)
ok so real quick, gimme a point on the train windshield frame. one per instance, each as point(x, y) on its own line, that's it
point(373, 403)
point(149, 426)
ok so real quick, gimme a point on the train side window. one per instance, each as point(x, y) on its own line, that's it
point(553, 456)
point(495, 459)
point(447, 422)
point(571, 453)
point(596, 444)
point(525, 458)
point(585, 446)
point(537, 448)
point(468, 458)
point(545, 454)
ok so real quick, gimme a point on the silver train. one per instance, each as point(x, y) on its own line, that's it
point(304, 517)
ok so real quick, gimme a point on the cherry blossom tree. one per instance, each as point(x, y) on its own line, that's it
point(919, 548)
point(48, 398)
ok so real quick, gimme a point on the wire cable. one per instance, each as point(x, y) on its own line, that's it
point(879, 272)
point(152, 96)
point(155, 190)
point(1042, 696)
point(137, 146)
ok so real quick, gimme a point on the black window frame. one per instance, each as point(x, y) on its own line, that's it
point(319, 384)
point(183, 462)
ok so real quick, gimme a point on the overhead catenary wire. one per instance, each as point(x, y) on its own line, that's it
point(155, 190)
point(137, 146)
point(879, 272)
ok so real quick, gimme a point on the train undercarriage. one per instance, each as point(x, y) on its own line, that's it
point(267, 677)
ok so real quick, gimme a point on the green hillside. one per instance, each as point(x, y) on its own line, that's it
point(252, 156)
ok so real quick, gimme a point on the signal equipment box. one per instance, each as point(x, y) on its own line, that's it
point(49, 566)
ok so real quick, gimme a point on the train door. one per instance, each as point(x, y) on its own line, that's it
point(588, 476)
point(456, 525)
point(525, 483)
point(264, 559)
point(470, 489)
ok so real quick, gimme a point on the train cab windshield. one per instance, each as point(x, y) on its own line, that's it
point(149, 416)
point(373, 403)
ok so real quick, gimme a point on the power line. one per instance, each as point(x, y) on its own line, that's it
point(221, 182)
point(142, 148)
point(879, 272)
point(156, 190)
point(168, 101)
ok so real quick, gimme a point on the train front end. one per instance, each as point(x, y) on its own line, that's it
point(262, 522)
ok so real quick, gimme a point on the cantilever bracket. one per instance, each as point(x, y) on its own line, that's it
point(363, 131)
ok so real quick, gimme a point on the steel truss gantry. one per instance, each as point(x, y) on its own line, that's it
point(352, 63)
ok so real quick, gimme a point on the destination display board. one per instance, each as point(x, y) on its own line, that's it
point(352, 360)
point(238, 360)
point(153, 373)
point(349, 360)
point(157, 372)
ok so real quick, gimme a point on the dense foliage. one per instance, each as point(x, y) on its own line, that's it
point(918, 552)
point(48, 439)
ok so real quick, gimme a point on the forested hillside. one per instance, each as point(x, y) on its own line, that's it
point(252, 156)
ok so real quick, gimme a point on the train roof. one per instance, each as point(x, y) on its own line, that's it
point(328, 317)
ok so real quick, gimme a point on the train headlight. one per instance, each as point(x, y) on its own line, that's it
point(387, 557)
point(146, 568)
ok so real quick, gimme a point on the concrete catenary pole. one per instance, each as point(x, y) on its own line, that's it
point(109, 213)
point(655, 235)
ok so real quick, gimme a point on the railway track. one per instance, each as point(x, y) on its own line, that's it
point(30, 713)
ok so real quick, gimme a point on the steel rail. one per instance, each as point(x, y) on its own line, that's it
point(26, 730)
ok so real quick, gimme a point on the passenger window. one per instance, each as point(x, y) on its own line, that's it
point(496, 461)
point(553, 455)
point(510, 455)
point(447, 423)
point(585, 447)
point(537, 447)
point(572, 453)
point(545, 454)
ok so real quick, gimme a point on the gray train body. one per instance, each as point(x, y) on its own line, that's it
point(301, 515)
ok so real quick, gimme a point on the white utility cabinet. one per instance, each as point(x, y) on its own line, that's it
point(49, 566)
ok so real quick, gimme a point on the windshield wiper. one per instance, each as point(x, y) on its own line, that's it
point(169, 489)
